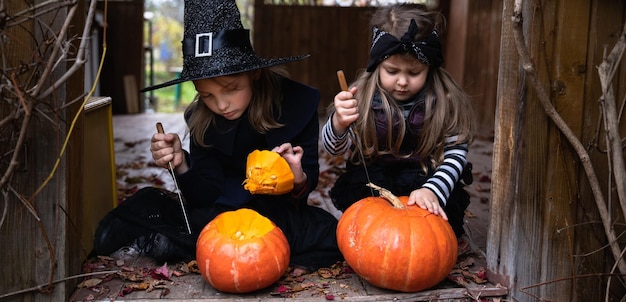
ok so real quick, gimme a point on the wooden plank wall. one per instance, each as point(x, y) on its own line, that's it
point(340, 38)
point(545, 239)
point(125, 58)
point(472, 46)
point(335, 37)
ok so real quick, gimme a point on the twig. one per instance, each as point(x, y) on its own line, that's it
point(25, 202)
point(5, 208)
point(9, 119)
point(43, 286)
point(20, 95)
point(80, 56)
point(606, 71)
point(48, 70)
point(523, 289)
point(608, 282)
point(92, 9)
point(37, 10)
point(18, 145)
point(600, 248)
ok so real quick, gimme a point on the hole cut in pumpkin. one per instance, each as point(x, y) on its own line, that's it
point(268, 173)
point(244, 224)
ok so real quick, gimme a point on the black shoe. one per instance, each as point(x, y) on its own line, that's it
point(137, 216)
point(160, 248)
point(155, 246)
point(113, 233)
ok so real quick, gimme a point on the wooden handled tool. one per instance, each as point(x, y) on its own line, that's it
point(342, 80)
point(159, 127)
point(344, 87)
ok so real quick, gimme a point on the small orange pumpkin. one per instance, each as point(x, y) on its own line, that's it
point(394, 246)
point(242, 251)
point(268, 173)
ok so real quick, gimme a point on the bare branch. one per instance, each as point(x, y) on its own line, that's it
point(20, 141)
point(37, 10)
point(77, 65)
point(40, 287)
point(80, 56)
point(48, 70)
point(5, 207)
point(606, 71)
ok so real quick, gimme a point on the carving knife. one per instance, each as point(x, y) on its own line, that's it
point(159, 127)
point(344, 87)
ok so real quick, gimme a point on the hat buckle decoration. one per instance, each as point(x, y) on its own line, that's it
point(200, 43)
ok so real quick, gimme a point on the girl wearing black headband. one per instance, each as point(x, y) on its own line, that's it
point(406, 118)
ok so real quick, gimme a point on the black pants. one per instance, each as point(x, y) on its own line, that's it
point(401, 179)
point(310, 231)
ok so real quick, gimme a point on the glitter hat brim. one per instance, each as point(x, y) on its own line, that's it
point(230, 69)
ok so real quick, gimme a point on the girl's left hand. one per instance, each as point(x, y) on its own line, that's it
point(427, 200)
point(293, 156)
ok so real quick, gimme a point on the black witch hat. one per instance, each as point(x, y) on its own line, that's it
point(216, 44)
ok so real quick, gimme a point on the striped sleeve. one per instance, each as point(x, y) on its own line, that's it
point(449, 172)
point(332, 143)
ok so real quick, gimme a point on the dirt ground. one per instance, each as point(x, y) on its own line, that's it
point(135, 169)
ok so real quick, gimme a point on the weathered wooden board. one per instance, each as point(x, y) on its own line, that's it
point(545, 238)
point(341, 285)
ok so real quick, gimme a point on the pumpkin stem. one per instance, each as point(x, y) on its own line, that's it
point(386, 194)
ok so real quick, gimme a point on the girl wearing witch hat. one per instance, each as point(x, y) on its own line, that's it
point(243, 103)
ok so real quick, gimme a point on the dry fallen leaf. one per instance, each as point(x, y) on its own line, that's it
point(89, 283)
point(161, 272)
point(193, 266)
point(156, 284)
point(474, 277)
point(137, 286)
point(466, 263)
point(131, 276)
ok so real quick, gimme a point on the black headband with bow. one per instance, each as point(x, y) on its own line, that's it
point(428, 51)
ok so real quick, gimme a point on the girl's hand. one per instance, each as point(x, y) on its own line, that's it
point(346, 110)
point(167, 148)
point(427, 200)
point(293, 156)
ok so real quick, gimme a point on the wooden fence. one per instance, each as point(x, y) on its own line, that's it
point(340, 38)
point(323, 32)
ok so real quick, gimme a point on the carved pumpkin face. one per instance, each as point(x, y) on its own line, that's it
point(398, 247)
point(268, 173)
point(242, 251)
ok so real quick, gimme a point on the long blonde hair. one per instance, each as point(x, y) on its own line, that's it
point(266, 97)
point(448, 109)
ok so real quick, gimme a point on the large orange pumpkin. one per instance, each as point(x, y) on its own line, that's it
point(394, 246)
point(242, 251)
point(268, 173)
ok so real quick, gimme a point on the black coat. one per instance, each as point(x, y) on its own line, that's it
point(217, 172)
